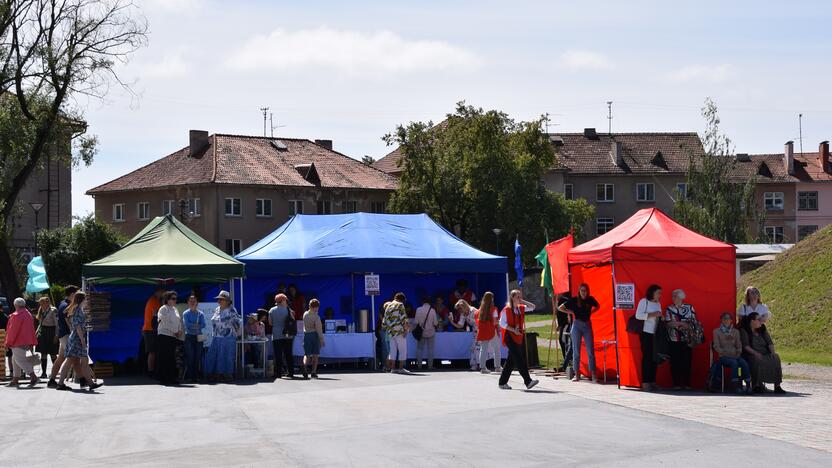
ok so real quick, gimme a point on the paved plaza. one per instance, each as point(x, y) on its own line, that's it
point(439, 419)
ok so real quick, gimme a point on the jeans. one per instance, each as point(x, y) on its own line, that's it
point(494, 345)
point(430, 343)
point(193, 356)
point(565, 339)
point(283, 355)
point(516, 357)
point(648, 364)
point(736, 364)
point(680, 357)
point(581, 329)
point(384, 338)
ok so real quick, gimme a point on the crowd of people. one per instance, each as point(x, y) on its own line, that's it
point(670, 334)
point(191, 346)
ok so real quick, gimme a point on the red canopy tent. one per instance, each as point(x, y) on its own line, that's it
point(651, 248)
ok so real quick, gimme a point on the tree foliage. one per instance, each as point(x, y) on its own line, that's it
point(480, 170)
point(717, 204)
point(368, 160)
point(65, 250)
point(51, 53)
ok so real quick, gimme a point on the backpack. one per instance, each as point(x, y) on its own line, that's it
point(290, 328)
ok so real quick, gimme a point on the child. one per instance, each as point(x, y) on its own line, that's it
point(313, 337)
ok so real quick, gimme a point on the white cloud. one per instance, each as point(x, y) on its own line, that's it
point(171, 65)
point(707, 73)
point(585, 59)
point(352, 52)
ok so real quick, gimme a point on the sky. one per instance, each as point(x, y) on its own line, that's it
point(353, 71)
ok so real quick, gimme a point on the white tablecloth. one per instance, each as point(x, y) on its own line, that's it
point(342, 345)
point(449, 345)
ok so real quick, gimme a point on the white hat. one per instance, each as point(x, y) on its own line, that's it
point(224, 295)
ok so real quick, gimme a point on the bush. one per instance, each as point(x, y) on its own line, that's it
point(66, 250)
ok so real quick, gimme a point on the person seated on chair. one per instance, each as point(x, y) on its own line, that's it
point(759, 352)
point(728, 344)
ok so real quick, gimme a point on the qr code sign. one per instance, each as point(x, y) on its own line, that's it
point(625, 295)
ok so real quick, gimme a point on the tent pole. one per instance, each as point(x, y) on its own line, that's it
point(615, 330)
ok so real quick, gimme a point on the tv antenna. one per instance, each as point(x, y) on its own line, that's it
point(265, 111)
point(272, 125)
point(609, 117)
point(800, 129)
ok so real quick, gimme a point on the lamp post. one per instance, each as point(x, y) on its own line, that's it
point(497, 232)
point(36, 207)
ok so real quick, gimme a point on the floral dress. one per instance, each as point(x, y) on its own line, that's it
point(74, 348)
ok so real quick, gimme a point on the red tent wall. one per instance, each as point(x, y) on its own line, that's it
point(599, 279)
point(709, 281)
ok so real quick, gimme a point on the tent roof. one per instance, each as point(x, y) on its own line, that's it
point(365, 242)
point(165, 249)
point(649, 232)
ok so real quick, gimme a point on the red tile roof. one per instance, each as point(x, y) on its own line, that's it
point(643, 153)
point(390, 162)
point(807, 168)
point(250, 160)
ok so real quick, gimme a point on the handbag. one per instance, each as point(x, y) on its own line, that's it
point(419, 330)
point(33, 359)
point(635, 325)
point(290, 328)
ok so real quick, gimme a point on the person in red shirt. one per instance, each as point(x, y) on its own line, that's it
point(151, 327)
point(488, 335)
point(21, 337)
point(462, 292)
point(513, 324)
point(297, 301)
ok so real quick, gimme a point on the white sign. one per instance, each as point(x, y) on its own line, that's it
point(625, 296)
point(371, 285)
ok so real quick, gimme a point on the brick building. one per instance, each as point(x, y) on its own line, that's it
point(233, 190)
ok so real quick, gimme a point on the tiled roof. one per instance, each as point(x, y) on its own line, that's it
point(643, 153)
point(390, 162)
point(768, 168)
point(249, 160)
point(807, 167)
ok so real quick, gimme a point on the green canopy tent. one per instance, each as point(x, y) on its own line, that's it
point(165, 250)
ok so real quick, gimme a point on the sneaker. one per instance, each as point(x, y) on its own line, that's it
point(95, 385)
point(43, 375)
point(51, 383)
point(485, 371)
point(505, 386)
point(531, 384)
point(61, 386)
point(34, 380)
point(577, 378)
point(779, 390)
point(14, 383)
point(404, 371)
point(498, 370)
point(314, 376)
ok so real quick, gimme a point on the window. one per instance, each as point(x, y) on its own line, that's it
point(350, 206)
point(324, 207)
point(264, 207)
point(805, 231)
point(604, 225)
point(118, 212)
point(195, 207)
point(807, 201)
point(605, 193)
point(645, 192)
point(773, 201)
point(569, 191)
point(233, 246)
point(682, 190)
point(378, 207)
point(168, 207)
point(233, 207)
point(775, 234)
point(295, 207)
point(143, 211)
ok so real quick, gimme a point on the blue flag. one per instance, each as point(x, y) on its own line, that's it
point(518, 261)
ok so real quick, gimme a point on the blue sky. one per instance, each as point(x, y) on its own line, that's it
point(352, 71)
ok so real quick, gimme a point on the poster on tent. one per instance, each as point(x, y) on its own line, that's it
point(625, 296)
point(371, 285)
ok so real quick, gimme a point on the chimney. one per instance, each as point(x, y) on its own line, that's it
point(198, 140)
point(590, 134)
point(823, 156)
point(616, 154)
point(788, 157)
point(743, 157)
point(325, 143)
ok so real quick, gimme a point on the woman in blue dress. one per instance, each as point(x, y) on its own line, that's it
point(227, 325)
point(76, 348)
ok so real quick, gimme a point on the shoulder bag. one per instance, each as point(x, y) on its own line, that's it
point(290, 328)
point(634, 325)
point(419, 330)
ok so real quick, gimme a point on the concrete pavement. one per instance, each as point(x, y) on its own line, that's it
point(357, 419)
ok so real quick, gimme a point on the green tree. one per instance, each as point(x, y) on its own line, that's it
point(51, 53)
point(65, 250)
point(368, 160)
point(481, 170)
point(717, 204)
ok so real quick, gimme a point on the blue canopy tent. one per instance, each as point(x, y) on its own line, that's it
point(326, 256)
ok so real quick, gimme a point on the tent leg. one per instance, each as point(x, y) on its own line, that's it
point(615, 331)
point(243, 327)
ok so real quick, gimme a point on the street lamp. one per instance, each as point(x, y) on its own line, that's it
point(36, 207)
point(497, 232)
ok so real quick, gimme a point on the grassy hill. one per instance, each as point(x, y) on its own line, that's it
point(797, 287)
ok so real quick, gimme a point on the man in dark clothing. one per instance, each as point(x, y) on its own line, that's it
point(564, 332)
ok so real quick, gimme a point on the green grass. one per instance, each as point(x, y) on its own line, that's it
point(797, 287)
